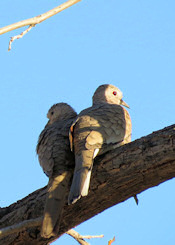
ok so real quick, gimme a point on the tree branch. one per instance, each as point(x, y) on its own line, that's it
point(79, 238)
point(117, 176)
point(20, 226)
point(19, 36)
point(38, 19)
point(37, 222)
point(35, 20)
point(111, 241)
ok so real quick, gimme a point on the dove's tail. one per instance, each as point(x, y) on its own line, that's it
point(55, 200)
point(82, 175)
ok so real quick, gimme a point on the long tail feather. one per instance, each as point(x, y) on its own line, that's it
point(82, 175)
point(57, 189)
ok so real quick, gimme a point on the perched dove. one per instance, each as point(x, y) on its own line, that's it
point(57, 162)
point(98, 129)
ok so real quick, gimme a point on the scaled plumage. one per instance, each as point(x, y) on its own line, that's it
point(57, 161)
point(98, 129)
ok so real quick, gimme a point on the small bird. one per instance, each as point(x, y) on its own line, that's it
point(57, 161)
point(97, 129)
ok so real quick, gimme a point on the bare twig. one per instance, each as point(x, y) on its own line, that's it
point(20, 226)
point(38, 19)
point(136, 199)
point(89, 237)
point(111, 241)
point(79, 238)
point(19, 36)
point(35, 20)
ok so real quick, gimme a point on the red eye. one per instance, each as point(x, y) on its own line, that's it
point(115, 93)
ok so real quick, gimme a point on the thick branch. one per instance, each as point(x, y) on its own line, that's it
point(37, 222)
point(38, 19)
point(20, 226)
point(117, 176)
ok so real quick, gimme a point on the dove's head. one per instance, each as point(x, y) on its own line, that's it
point(60, 111)
point(110, 94)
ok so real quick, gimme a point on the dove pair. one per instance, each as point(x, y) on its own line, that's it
point(98, 129)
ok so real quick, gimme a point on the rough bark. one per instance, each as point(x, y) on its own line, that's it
point(117, 176)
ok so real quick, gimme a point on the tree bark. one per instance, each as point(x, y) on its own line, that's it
point(117, 176)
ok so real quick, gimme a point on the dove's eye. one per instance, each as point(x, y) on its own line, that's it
point(115, 93)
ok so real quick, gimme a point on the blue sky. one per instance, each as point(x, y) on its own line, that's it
point(130, 44)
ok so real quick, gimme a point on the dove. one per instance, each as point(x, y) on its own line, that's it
point(57, 161)
point(98, 129)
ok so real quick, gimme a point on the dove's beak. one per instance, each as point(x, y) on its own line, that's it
point(124, 103)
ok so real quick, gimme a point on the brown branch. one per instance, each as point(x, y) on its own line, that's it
point(117, 176)
point(20, 226)
point(136, 199)
point(37, 222)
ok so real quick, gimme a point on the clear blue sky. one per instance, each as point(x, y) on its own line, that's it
point(130, 44)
